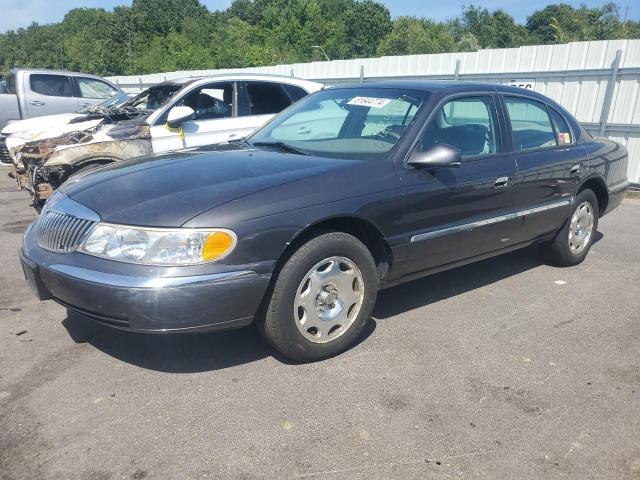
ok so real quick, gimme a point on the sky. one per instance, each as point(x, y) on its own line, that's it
point(21, 13)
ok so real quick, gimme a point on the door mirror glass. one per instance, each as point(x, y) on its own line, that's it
point(179, 115)
point(440, 155)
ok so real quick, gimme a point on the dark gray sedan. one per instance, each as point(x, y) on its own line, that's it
point(348, 191)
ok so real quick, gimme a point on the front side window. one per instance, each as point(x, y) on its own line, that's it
point(346, 123)
point(211, 101)
point(50, 85)
point(92, 88)
point(266, 98)
point(468, 124)
point(531, 126)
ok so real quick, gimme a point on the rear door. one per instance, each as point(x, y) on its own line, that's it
point(455, 213)
point(48, 94)
point(549, 163)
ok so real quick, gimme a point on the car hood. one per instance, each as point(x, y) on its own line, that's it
point(167, 190)
point(36, 124)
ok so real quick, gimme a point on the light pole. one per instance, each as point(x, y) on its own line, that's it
point(319, 47)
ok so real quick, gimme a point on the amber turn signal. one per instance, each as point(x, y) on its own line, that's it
point(217, 245)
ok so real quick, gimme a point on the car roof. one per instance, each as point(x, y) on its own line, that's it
point(443, 87)
point(56, 72)
point(243, 76)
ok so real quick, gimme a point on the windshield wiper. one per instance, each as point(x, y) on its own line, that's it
point(285, 147)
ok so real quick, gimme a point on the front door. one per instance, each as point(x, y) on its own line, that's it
point(216, 119)
point(455, 213)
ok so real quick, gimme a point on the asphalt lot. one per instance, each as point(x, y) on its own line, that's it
point(509, 368)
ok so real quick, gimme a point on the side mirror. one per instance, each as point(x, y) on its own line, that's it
point(440, 155)
point(179, 115)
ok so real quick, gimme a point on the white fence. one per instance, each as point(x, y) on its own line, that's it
point(599, 82)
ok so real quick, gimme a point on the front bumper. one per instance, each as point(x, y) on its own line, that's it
point(156, 304)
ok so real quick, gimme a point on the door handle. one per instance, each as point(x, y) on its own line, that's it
point(86, 105)
point(304, 131)
point(36, 103)
point(233, 135)
point(575, 170)
point(501, 182)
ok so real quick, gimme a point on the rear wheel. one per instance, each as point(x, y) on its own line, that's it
point(322, 298)
point(574, 240)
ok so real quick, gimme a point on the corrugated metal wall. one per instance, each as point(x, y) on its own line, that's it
point(577, 75)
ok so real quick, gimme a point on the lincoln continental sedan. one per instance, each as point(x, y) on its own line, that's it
point(297, 227)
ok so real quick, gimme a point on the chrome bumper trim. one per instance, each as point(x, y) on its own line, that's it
point(127, 281)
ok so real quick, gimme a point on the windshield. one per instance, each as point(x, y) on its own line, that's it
point(153, 98)
point(364, 123)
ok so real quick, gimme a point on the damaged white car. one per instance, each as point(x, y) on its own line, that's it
point(168, 116)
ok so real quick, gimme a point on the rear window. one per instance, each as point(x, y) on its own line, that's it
point(50, 85)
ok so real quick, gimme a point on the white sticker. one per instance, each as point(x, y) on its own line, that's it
point(369, 102)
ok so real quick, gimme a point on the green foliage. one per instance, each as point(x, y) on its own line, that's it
point(410, 35)
point(165, 35)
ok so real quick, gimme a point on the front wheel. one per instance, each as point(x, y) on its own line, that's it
point(572, 243)
point(322, 298)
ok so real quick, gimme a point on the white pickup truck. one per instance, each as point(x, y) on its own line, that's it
point(34, 93)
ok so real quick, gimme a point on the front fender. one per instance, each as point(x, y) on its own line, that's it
point(122, 149)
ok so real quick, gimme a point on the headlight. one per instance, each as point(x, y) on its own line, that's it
point(159, 246)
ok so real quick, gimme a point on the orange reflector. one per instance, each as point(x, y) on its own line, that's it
point(216, 245)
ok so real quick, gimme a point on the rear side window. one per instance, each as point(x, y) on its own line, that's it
point(296, 93)
point(51, 85)
point(266, 98)
point(468, 124)
point(11, 84)
point(563, 134)
point(531, 126)
point(91, 88)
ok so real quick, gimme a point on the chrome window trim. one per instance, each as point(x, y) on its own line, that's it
point(489, 221)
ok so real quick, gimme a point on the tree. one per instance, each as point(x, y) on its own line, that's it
point(410, 35)
point(365, 24)
point(161, 35)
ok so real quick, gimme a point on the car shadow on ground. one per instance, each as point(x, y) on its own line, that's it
point(179, 353)
point(189, 353)
point(450, 283)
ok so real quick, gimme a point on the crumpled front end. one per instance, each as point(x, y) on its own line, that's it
point(45, 162)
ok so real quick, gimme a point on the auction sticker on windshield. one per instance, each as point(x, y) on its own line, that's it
point(369, 102)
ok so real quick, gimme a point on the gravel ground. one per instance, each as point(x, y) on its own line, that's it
point(508, 368)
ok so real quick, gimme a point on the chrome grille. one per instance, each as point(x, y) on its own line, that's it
point(4, 152)
point(59, 232)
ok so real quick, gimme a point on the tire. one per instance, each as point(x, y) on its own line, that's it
point(570, 248)
point(321, 299)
